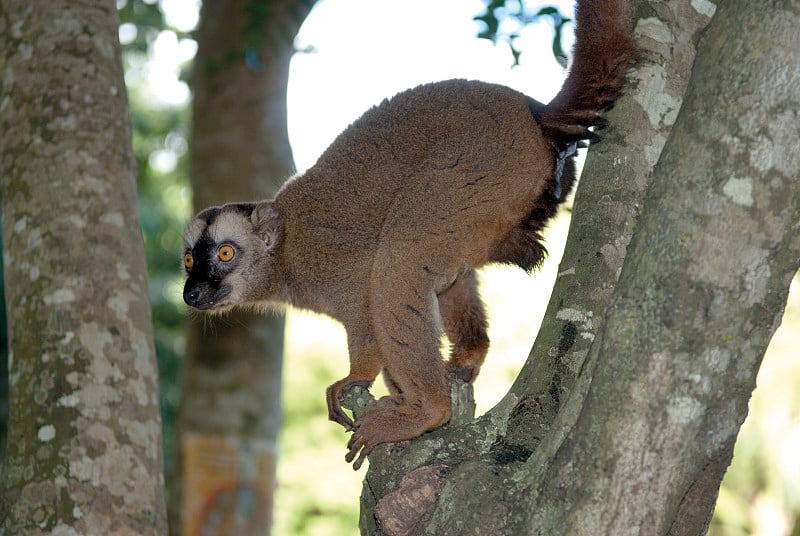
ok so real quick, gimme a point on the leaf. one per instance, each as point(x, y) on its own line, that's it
point(498, 11)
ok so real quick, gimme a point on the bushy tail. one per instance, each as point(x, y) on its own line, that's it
point(602, 54)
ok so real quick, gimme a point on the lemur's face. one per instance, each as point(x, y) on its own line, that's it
point(226, 257)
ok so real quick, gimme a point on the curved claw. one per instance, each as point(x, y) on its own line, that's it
point(335, 411)
point(334, 394)
point(358, 442)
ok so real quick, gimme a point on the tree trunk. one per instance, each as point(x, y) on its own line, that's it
point(623, 421)
point(230, 410)
point(84, 450)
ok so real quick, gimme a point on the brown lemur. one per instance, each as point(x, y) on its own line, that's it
point(384, 233)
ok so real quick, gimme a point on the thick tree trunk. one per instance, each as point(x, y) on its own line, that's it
point(84, 449)
point(230, 411)
point(702, 290)
point(623, 421)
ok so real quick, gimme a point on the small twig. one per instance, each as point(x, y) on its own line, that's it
point(462, 400)
point(357, 399)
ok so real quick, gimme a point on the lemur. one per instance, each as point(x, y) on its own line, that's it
point(384, 233)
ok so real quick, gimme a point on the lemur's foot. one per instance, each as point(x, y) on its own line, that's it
point(391, 420)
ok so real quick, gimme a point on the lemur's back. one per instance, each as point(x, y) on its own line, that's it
point(446, 164)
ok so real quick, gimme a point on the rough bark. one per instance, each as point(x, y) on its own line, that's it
point(701, 292)
point(606, 211)
point(240, 151)
point(84, 450)
point(624, 418)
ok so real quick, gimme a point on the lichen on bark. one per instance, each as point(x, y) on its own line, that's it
point(84, 453)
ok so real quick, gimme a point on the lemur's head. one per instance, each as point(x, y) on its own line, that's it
point(227, 255)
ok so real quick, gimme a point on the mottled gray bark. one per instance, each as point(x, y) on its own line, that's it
point(606, 211)
point(240, 151)
point(624, 418)
point(84, 449)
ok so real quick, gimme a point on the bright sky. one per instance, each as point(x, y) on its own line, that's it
point(365, 51)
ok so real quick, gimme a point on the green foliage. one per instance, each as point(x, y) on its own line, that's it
point(146, 17)
point(499, 12)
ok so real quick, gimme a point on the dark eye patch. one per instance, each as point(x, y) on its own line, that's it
point(204, 267)
point(206, 261)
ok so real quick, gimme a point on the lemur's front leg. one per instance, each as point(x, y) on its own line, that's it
point(365, 365)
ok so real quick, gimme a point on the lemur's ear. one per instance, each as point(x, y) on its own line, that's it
point(267, 223)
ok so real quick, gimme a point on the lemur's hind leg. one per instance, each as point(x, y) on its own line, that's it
point(464, 318)
point(406, 324)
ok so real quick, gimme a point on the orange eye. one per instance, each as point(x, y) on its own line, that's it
point(226, 253)
point(188, 260)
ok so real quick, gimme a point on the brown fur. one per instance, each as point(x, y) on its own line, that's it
point(385, 232)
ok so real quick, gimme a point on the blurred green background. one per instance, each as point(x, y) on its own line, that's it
point(318, 492)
